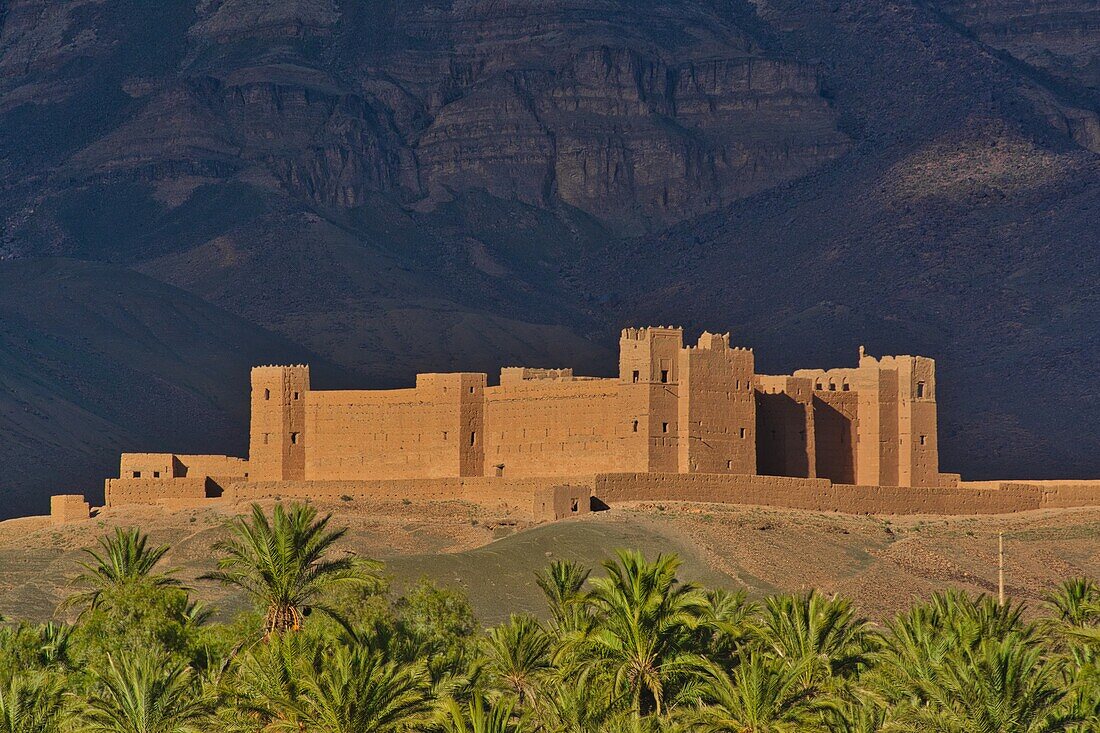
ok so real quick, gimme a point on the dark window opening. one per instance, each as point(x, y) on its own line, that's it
point(634, 425)
point(294, 438)
point(832, 386)
point(729, 465)
point(156, 474)
point(296, 395)
point(267, 394)
point(664, 427)
point(637, 376)
point(923, 439)
point(471, 390)
point(920, 389)
point(846, 387)
point(137, 474)
point(817, 385)
point(575, 506)
point(742, 432)
point(664, 376)
point(473, 438)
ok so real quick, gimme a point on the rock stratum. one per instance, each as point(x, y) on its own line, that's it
point(189, 186)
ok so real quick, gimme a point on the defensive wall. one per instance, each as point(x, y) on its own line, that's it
point(678, 422)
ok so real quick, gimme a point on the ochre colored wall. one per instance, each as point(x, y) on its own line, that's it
point(785, 427)
point(836, 422)
point(817, 494)
point(277, 439)
point(717, 408)
point(433, 430)
point(120, 491)
point(563, 427)
point(68, 508)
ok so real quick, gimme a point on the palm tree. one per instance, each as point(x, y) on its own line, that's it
point(641, 635)
point(518, 652)
point(146, 694)
point(126, 559)
point(281, 564)
point(355, 690)
point(760, 695)
point(1000, 685)
point(725, 623)
point(30, 703)
point(477, 717)
point(562, 583)
point(825, 632)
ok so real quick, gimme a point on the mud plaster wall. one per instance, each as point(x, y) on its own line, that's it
point(119, 491)
point(432, 431)
point(821, 495)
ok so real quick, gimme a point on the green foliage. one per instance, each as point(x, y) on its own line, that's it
point(283, 564)
point(631, 649)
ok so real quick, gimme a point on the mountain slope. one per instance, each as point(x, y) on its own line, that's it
point(437, 184)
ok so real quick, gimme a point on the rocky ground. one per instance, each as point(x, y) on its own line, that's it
point(883, 563)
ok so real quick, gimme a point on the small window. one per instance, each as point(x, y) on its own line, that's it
point(742, 432)
point(664, 376)
point(575, 506)
point(729, 465)
point(267, 437)
point(817, 385)
point(832, 386)
point(920, 390)
point(664, 427)
point(156, 474)
point(923, 439)
point(294, 438)
point(137, 474)
point(473, 438)
point(846, 387)
point(634, 426)
point(738, 384)
point(637, 376)
point(471, 390)
point(296, 395)
point(267, 394)
point(444, 435)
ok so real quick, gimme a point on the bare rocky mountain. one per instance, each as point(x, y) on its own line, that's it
point(437, 184)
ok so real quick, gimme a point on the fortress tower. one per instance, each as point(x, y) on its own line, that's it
point(277, 441)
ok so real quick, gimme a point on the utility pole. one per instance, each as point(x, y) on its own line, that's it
point(1001, 568)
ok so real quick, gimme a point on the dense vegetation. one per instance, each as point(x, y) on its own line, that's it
point(631, 648)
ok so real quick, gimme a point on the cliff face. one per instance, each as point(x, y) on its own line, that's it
point(631, 114)
point(461, 184)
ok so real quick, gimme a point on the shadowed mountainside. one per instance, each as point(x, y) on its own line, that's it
point(437, 184)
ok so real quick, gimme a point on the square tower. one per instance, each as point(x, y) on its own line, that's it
point(277, 438)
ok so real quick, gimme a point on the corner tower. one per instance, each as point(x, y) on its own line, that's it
point(277, 438)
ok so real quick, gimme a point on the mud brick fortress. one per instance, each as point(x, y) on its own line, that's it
point(679, 422)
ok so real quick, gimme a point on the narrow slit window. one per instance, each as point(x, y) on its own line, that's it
point(637, 376)
point(729, 465)
point(920, 390)
point(923, 440)
point(267, 394)
point(296, 395)
point(664, 427)
point(742, 433)
point(294, 438)
point(664, 376)
point(634, 426)
point(473, 438)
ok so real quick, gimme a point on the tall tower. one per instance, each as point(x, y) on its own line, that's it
point(277, 438)
point(649, 372)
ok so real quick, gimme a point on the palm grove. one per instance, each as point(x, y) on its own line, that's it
point(628, 648)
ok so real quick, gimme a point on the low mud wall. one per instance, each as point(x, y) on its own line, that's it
point(822, 495)
point(540, 498)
